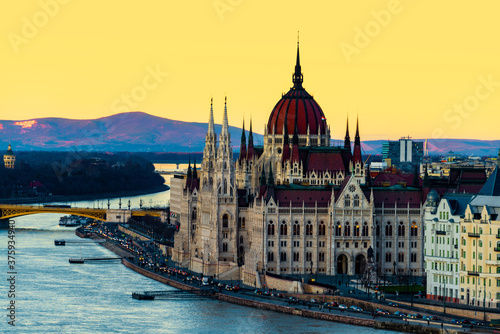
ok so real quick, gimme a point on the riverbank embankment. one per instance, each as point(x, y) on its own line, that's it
point(288, 309)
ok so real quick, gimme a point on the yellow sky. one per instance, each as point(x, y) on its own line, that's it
point(425, 69)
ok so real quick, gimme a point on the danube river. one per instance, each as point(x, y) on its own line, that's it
point(53, 296)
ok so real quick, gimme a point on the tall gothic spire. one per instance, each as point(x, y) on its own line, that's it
point(195, 172)
point(243, 146)
point(225, 125)
point(357, 145)
point(297, 77)
point(285, 156)
point(295, 144)
point(347, 140)
point(250, 152)
point(211, 129)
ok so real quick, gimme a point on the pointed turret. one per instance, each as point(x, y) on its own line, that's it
point(243, 146)
point(263, 178)
point(270, 184)
point(225, 125)
point(189, 176)
point(189, 172)
point(285, 156)
point(297, 77)
point(250, 152)
point(211, 128)
point(357, 146)
point(195, 172)
point(270, 178)
point(295, 144)
point(347, 140)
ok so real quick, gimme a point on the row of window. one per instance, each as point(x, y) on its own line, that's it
point(401, 257)
point(296, 228)
point(296, 256)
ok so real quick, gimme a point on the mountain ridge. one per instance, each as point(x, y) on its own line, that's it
point(139, 131)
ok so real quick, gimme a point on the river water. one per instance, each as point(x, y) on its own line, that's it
point(54, 296)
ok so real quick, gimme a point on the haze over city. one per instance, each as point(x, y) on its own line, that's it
point(424, 69)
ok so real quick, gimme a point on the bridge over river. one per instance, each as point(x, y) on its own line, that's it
point(8, 211)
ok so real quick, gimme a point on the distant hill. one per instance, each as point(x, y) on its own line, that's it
point(138, 131)
point(132, 131)
point(442, 146)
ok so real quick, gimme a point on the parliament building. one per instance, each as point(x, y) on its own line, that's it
point(296, 205)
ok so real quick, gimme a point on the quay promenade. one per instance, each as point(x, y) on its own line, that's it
point(180, 279)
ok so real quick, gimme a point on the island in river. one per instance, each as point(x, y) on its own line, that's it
point(59, 176)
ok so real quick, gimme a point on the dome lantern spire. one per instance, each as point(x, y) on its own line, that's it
point(297, 77)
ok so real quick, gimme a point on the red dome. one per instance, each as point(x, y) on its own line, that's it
point(297, 106)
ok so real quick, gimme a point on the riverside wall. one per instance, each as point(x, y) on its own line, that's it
point(287, 309)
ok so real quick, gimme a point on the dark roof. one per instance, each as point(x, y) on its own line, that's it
point(458, 203)
point(492, 185)
point(299, 195)
point(397, 195)
point(332, 159)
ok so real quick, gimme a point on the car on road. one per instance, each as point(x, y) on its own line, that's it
point(293, 300)
point(257, 292)
point(332, 304)
point(393, 304)
point(356, 308)
point(381, 311)
point(426, 317)
point(434, 317)
point(419, 295)
point(476, 323)
point(399, 314)
point(314, 301)
point(456, 321)
point(267, 293)
point(342, 307)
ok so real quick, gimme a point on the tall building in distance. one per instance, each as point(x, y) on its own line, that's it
point(9, 158)
point(405, 154)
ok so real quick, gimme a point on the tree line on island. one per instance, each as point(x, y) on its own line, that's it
point(41, 174)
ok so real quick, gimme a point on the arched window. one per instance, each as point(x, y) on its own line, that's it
point(309, 228)
point(225, 221)
point(377, 230)
point(414, 230)
point(196, 252)
point(388, 257)
point(413, 257)
point(270, 228)
point(401, 229)
point(241, 240)
point(347, 230)
point(283, 228)
point(356, 229)
point(401, 257)
point(224, 247)
point(243, 222)
point(296, 228)
point(388, 230)
point(355, 201)
point(338, 230)
point(364, 232)
point(283, 256)
point(347, 200)
point(270, 256)
point(322, 228)
point(193, 214)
